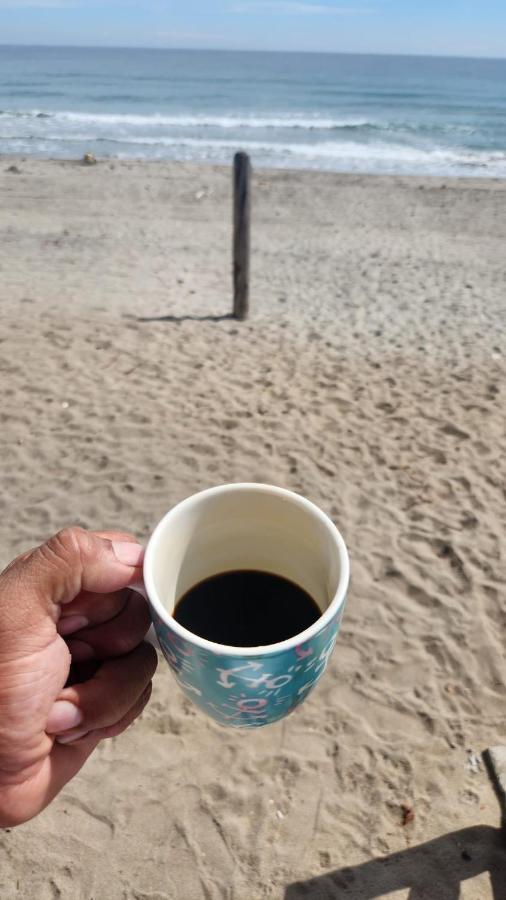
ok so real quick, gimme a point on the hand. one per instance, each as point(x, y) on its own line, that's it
point(76, 584)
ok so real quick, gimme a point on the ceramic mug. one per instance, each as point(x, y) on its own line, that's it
point(246, 526)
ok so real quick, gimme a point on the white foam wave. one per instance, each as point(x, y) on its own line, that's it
point(199, 121)
point(332, 155)
point(335, 150)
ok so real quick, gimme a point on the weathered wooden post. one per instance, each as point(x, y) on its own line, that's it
point(242, 210)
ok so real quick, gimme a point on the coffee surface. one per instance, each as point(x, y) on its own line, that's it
point(246, 608)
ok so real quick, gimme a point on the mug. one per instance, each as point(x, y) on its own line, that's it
point(246, 526)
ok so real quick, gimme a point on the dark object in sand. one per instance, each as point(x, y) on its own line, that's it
point(408, 814)
point(14, 170)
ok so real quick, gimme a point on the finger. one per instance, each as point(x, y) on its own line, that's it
point(56, 572)
point(90, 609)
point(115, 637)
point(122, 725)
point(107, 697)
point(123, 536)
point(81, 671)
point(19, 559)
point(131, 716)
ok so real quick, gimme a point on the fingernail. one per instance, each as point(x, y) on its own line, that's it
point(63, 716)
point(70, 738)
point(80, 651)
point(69, 624)
point(128, 554)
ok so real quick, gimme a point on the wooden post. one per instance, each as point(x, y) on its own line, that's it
point(242, 209)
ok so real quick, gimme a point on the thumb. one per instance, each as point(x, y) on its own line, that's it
point(34, 586)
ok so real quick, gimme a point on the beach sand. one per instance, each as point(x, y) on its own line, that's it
point(370, 377)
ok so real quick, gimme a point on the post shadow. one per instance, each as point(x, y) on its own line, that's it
point(186, 318)
point(431, 871)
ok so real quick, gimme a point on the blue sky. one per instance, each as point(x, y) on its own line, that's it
point(454, 27)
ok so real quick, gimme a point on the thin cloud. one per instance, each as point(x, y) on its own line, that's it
point(289, 8)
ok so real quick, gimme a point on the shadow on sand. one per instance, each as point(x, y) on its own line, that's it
point(186, 318)
point(431, 871)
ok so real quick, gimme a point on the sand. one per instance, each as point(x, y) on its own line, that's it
point(371, 378)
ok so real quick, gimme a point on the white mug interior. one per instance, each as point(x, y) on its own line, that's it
point(245, 526)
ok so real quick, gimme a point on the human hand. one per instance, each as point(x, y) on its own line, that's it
point(67, 602)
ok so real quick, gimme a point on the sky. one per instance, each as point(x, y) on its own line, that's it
point(435, 27)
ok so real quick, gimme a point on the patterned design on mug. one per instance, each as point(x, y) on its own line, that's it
point(247, 692)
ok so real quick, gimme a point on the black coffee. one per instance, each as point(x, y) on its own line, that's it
point(246, 608)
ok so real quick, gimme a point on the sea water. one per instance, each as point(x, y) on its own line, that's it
point(346, 113)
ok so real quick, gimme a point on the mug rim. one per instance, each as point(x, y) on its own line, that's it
point(260, 650)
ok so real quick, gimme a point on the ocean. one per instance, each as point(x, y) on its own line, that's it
point(338, 112)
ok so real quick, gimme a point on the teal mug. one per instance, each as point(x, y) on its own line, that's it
point(244, 527)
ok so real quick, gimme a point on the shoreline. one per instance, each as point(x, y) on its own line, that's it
point(471, 180)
